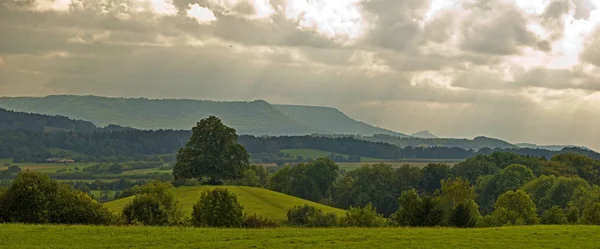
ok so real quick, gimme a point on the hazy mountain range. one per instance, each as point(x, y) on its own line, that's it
point(247, 117)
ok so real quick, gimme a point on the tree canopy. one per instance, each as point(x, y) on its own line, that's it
point(212, 152)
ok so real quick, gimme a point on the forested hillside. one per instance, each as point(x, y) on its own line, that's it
point(10, 120)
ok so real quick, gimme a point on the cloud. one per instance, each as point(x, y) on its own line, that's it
point(520, 70)
point(201, 14)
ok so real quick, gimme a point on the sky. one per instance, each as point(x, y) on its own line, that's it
point(523, 71)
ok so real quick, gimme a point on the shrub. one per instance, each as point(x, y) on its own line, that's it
point(154, 204)
point(146, 209)
point(218, 208)
point(35, 198)
point(255, 221)
point(554, 215)
point(462, 216)
point(591, 213)
point(363, 217)
point(310, 216)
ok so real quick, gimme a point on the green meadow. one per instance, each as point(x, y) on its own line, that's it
point(263, 202)
point(18, 236)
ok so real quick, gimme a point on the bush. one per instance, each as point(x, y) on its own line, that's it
point(154, 204)
point(35, 198)
point(255, 221)
point(554, 215)
point(462, 216)
point(146, 209)
point(310, 216)
point(218, 208)
point(363, 217)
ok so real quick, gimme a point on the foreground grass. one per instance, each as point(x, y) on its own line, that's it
point(54, 236)
point(263, 202)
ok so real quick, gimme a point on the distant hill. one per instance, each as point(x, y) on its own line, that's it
point(262, 202)
point(254, 117)
point(331, 120)
point(423, 134)
point(250, 117)
point(11, 120)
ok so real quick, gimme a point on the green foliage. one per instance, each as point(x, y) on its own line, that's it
point(475, 167)
point(455, 191)
point(512, 177)
point(213, 152)
point(408, 213)
point(363, 217)
point(554, 215)
point(369, 184)
point(255, 221)
point(489, 187)
point(218, 208)
point(35, 198)
point(462, 215)
point(586, 167)
point(147, 210)
point(429, 213)
point(310, 216)
point(433, 173)
point(515, 208)
point(312, 181)
point(591, 213)
point(418, 211)
point(154, 204)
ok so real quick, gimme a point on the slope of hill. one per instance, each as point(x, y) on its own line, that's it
point(423, 134)
point(331, 120)
point(10, 120)
point(255, 117)
point(263, 202)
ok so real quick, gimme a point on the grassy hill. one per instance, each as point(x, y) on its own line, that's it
point(263, 202)
point(331, 120)
point(16, 236)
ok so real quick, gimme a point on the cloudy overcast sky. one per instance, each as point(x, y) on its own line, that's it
point(517, 70)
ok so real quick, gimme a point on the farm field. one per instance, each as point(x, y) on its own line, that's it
point(16, 236)
point(314, 154)
point(48, 167)
point(263, 202)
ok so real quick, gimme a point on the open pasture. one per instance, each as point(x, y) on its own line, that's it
point(16, 236)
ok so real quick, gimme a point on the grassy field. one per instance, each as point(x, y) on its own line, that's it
point(314, 154)
point(58, 236)
point(263, 202)
point(145, 171)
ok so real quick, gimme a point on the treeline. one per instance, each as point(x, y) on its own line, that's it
point(496, 189)
point(117, 145)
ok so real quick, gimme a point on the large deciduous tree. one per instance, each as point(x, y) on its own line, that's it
point(212, 152)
